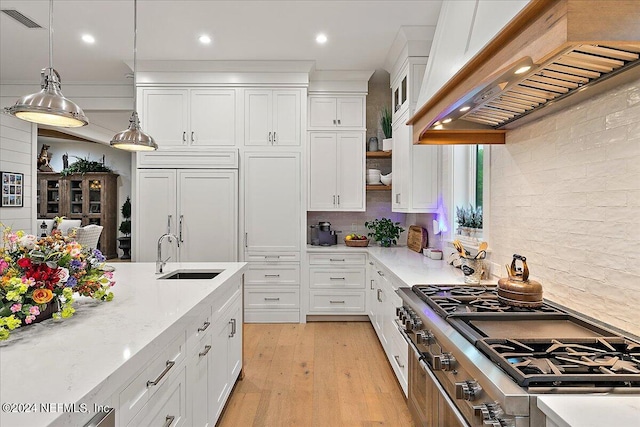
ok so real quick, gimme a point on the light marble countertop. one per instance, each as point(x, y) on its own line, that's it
point(408, 266)
point(87, 357)
point(591, 411)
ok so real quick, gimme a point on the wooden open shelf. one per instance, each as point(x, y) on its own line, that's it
point(378, 154)
point(378, 188)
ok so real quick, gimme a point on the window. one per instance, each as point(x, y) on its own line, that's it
point(467, 175)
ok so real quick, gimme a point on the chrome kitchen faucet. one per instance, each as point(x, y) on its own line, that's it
point(159, 262)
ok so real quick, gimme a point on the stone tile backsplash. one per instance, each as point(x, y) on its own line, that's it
point(565, 192)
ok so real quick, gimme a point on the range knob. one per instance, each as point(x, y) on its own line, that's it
point(443, 362)
point(425, 337)
point(489, 412)
point(468, 390)
point(413, 324)
point(399, 311)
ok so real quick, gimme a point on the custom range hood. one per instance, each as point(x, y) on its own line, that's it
point(549, 56)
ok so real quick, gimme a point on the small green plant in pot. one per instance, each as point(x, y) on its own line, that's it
point(384, 231)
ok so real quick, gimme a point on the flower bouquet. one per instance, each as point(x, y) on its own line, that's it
point(37, 274)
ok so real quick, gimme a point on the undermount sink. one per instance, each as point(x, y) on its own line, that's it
point(191, 274)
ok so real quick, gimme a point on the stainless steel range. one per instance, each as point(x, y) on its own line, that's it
point(478, 362)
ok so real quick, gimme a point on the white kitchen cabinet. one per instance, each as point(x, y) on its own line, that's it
point(198, 206)
point(272, 292)
point(415, 172)
point(272, 202)
point(272, 117)
point(336, 171)
point(189, 117)
point(337, 284)
point(330, 112)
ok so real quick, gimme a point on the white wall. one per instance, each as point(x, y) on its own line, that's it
point(17, 145)
point(118, 160)
point(565, 192)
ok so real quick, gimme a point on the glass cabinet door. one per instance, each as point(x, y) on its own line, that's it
point(52, 190)
point(94, 209)
point(76, 198)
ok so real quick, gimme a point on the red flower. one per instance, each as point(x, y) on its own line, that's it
point(24, 262)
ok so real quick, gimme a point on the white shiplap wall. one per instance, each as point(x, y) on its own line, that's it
point(17, 154)
point(565, 192)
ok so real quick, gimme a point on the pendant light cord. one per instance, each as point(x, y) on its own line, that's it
point(50, 33)
point(135, 51)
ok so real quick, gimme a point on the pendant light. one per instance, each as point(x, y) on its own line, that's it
point(134, 138)
point(49, 106)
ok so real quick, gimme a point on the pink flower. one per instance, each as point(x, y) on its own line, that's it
point(29, 319)
point(28, 281)
point(34, 309)
point(3, 266)
point(16, 307)
point(108, 274)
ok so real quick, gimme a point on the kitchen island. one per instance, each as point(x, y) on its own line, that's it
point(64, 372)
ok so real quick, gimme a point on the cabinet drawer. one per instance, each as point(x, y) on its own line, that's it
point(337, 302)
point(166, 408)
point(399, 358)
point(337, 259)
point(272, 298)
point(198, 329)
point(188, 158)
point(344, 278)
point(140, 390)
point(282, 275)
point(272, 257)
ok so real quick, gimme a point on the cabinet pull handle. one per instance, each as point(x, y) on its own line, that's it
point(337, 302)
point(338, 200)
point(398, 361)
point(336, 259)
point(337, 278)
point(184, 136)
point(371, 285)
point(272, 256)
point(193, 136)
point(378, 296)
point(370, 263)
point(334, 121)
point(204, 326)
point(270, 140)
point(232, 322)
point(206, 350)
point(275, 138)
point(271, 299)
point(397, 197)
point(271, 275)
point(245, 239)
point(170, 364)
point(168, 224)
point(168, 421)
point(334, 200)
point(339, 121)
point(380, 273)
point(180, 231)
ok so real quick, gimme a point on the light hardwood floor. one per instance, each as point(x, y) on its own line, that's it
point(315, 374)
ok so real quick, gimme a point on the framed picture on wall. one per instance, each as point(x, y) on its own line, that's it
point(12, 190)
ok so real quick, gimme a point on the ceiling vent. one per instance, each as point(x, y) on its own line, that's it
point(27, 22)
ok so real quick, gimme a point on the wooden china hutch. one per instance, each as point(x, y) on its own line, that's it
point(91, 197)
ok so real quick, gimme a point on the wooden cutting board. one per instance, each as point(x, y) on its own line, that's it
point(417, 238)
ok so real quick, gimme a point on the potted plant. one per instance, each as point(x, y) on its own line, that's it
point(469, 220)
point(384, 231)
point(125, 228)
point(385, 123)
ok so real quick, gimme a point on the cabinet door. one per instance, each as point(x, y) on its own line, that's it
point(235, 341)
point(165, 116)
point(351, 162)
point(258, 129)
point(219, 385)
point(272, 202)
point(198, 385)
point(155, 213)
point(350, 112)
point(322, 112)
point(322, 171)
point(400, 197)
point(286, 117)
point(207, 217)
point(424, 177)
point(213, 117)
point(371, 292)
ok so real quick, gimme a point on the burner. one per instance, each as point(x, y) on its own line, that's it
point(606, 361)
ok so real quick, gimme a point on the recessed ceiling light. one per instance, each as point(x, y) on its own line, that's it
point(465, 108)
point(445, 121)
point(522, 69)
point(88, 38)
point(438, 127)
point(321, 38)
point(204, 39)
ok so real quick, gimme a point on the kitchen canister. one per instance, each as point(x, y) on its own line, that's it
point(373, 143)
point(472, 269)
